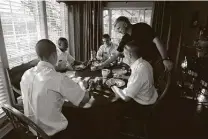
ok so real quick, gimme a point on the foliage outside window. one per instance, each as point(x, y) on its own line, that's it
point(21, 28)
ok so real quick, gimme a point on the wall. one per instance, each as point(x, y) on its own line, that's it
point(181, 14)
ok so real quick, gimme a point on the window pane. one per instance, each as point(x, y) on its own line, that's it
point(55, 13)
point(21, 29)
point(134, 15)
point(105, 22)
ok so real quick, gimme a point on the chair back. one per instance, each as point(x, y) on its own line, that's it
point(21, 123)
point(162, 80)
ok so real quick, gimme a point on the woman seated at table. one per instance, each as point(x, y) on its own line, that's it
point(140, 86)
point(65, 60)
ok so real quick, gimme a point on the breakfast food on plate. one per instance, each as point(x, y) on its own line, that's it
point(117, 82)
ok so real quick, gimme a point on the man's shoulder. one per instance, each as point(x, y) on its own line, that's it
point(142, 65)
point(141, 24)
point(29, 72)
point(27, 75)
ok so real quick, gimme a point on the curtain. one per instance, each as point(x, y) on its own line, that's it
point(168, 24)
point(162, 22)
point(85, 28)
point(158, 17)
point(97, 24)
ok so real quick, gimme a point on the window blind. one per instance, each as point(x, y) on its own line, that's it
point(21, 29)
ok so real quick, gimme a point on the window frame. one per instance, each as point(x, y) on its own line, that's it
point(124, 8)
point(3, 56)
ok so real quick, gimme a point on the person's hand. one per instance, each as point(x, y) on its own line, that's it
point(83, 84)
point(100, 66)
point(168, 65)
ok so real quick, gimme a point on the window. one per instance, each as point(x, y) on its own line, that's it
point(21, 29)
point(55, 15)
point(134, 15)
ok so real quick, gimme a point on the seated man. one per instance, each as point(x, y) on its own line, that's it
point(140, 86)
point(107, 49)
point(65, 60)
point(44, 91)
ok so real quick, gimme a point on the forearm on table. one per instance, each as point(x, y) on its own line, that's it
point(120, 93)
point(111, 59)
point(160, 47)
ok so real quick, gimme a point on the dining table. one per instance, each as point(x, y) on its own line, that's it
point(101, 119)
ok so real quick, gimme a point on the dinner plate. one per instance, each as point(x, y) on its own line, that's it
point(117, 82)
point(80, 67)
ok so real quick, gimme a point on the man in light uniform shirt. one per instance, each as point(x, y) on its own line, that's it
point(44, 91)
point(65, 60)
point(106, 50)
point(140, 87)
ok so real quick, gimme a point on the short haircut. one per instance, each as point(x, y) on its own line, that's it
point(44, 48)
point(135, 48)
point(106, 36)
point(61, 39)
point(122, 19)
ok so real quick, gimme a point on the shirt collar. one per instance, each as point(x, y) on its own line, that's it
point(137, 62)
point(45, 64)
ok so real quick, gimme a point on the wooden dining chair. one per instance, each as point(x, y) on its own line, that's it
point(23, 125)
point(162, 79)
